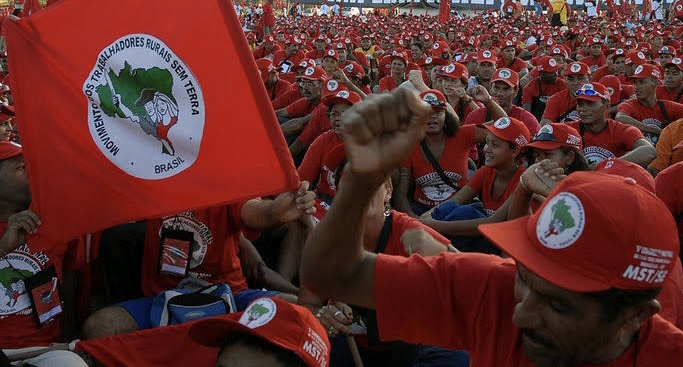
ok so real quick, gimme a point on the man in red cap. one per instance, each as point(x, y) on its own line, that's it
point(672, 89)
point(649, 114)
point(271, 79)
point(24, 268)
point(578, 290)
point(270, 332)
point(486, 61)
point(535, 95)
point(603, 137)
point(508, 59)
point(561, 107)
point(596, 58)
point(6, 123)
point(295, 116)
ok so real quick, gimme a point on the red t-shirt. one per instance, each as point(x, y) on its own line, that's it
point(471, 308)
point(615, 140)
point(281, 60)
point(516, 65)
point(300, 108)
point(600, 72)
point(561, 104)
point(387, 84)
point(216, 235)
point(479, 117)
point(287, 98)
point(532, 90)
point(317, 56)
point(313, 167)
point(268, 14)
point(261, 52)
point(280, 88)
point(19, 329)
point(664, 94)
point(594, 64)
point(401, 222)
point(482, 182)
point(319, 124)
point(652, 116)
point(430, 190)
point(668, 187)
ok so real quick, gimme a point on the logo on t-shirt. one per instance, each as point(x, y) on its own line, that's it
point(145, 108)
point(595, 154)
point(561, 222)
point(652, 138)
point(434, 188)
point(201, 234)
point(15, 267)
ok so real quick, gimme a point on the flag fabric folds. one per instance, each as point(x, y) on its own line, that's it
point(136, 109)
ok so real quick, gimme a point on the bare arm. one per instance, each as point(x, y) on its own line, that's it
point(643, 153)
point(282, 112)
point(401, 199)
point(296, 148)
point(544, 121)
point(480, 94)
point(295, 125)
point(265, 214)
point(622, 117)
point(378, 133)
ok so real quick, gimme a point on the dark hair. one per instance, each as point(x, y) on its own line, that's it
point(614, 301)
point(287, 357)
point(579, 164)
point(450, 125)
point(419, 45)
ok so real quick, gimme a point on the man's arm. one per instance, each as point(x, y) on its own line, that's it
point(622, 117)
point(642, 153)
point(263, 214)
point(295, 125)
point(282, 112)
point(378, 134)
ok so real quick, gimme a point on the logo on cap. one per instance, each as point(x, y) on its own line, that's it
point(575, 68)
point(330, 53)
point(552, 62)
point(349, 68)
point(428, 60)
point(259, 313)
point(561, 222)
point(505, 74)
point(343, 94)
point(430, 97)
point(547, 129)
point(502, 123)
point(309, 71)
point(436, 46)
point(486, 54)
point(303, 63)
point(450, 68)
point(557, 51)
point(332, 85)
point(639, 69)
point(641, 55)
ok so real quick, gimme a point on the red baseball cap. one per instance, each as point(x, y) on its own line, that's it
point(635, 57)
point(677, 62)
point(341, 96)
point(433, 61)
point(265, 67)
point(353, 69)
point(304, 64)
point(646, 71)
point(510, 129)
point(331, 53)
point(455, 71)
point(593, 92)
point(548, 64)
point(332, 86)
point(9, 149)
point(510, 77)
point(613, 85)
point(486, 56)
point(620, 167)
point(435, 98)
point(556, 135)
point(281, 323)
point(577, 68)
point(583, 238)
point(314, 73)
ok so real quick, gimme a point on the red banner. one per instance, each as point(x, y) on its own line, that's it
point(136, 109)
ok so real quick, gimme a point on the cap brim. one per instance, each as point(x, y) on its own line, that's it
point(546, 145)
point(511, 237)
point(589, 98)
point(211, 332)
point(506, 81)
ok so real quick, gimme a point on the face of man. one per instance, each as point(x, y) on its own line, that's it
point(592, 112)
point(486, 44)
point(485, 70)
point(508, 53)
point(291, 49)
point(280, 37)
point(673, 77)
point(665, 59)
point(416, 51)
point(574, 82)
point(319, 45)
point(329, 64)
point(618, 64)
point(365, 43)
point(14, 182)
point(645, 87)
point(6, 130)
point(240, 355)
point(503, 93)
point(658, 41)
point(560, 328)
point(595, 50)
point(150, 108)
point(312, 89)
point(341, 52)
point(548, 77)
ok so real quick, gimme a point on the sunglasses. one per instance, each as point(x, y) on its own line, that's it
point(590, 93)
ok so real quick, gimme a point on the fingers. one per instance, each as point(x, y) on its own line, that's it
point(26, 220)
point(334, 320)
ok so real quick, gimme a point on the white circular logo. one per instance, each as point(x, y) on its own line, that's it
point(505, 74)
point(145, 108)
point(343, 94)
point(561, 222)
point(679, 7)
point(259, 313)
point(349, 68)
point(552, 62)
point(676, 61)
point(450, 68)
point(502, 123)
point(575, 68)
point(303, 64)
point(309, 71)
point(330, 53)
point(347, 40)
point(428, 60)
point(332, 85)
point(436, 46)
point(486, 54)
point(430, 97)
point(557, 51)
point(639, 69)
point(546, 129)
point(641, 55)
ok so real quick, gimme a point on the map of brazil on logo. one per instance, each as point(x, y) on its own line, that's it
point(145, 108)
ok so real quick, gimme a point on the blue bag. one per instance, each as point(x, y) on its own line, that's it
point(183, 304)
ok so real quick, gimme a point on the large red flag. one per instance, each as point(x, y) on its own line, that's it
point(444, 10)
point(136, 109)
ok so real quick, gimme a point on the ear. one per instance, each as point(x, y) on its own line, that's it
point(569, 158)
point(635, 316)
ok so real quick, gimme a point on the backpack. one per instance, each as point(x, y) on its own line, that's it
point(187, 303)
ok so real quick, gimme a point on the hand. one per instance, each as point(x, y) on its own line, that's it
point(461, 94)
point(340, 76)
point(18, 225)
point(419, 241)
point(415, 77)
point(479, 93)
point(290, 206)
point(335, 318)
point(380, 132)
point(542, 177)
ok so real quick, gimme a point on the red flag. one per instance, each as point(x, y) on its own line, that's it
point(444, 10)
point(30, 7)
point(168, 346)
point(138, 110)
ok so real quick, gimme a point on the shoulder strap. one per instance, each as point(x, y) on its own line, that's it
point(666, 115)
point(582, 129)
point(435, 164)
point(565, 114)
point(384, 234)
point(678, 97)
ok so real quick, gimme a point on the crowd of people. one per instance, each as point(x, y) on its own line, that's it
point(493, 190)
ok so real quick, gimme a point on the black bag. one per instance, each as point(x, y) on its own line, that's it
point(556, 20)
point(538, 106)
